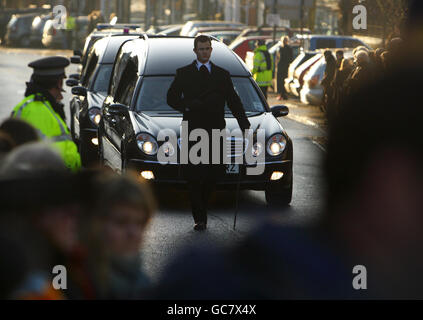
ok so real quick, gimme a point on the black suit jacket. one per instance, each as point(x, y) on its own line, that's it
point(189, 86)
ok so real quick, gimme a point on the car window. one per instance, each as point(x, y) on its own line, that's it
point(89, 71)
point(102, 79)
point(351, 43)
point(322, 43)
point(127, 83)
point(153, 94)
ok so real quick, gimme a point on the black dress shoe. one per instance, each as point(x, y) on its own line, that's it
point(200, 226)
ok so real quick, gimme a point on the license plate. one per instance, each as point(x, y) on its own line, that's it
point(232, 168)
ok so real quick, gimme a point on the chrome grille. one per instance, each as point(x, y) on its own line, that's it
point(233, 146)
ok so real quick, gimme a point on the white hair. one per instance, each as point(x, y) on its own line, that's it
point(30, 158)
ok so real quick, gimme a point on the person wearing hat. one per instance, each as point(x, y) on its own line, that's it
point(41, 107)
point(263, 67)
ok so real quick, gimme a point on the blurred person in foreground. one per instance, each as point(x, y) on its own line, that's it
point(284, 58)
point(263, 67)
point(372, 217)
point(41, 107)
point(41, 202)
point(20, 131)
point(113, 232)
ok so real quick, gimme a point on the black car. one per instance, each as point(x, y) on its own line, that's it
point(89, 95)
point(19, 30)
point(135, 112)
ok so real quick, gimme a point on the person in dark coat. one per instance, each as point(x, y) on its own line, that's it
point(361, 75)
point(339, 57)
point(284, 58)
point(328, 78)
point(339, 81)
point(200, 91)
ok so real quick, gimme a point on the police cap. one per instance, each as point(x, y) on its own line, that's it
point(50, 67)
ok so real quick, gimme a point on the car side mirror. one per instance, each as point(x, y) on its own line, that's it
point(117, 109)
point(79, 91)
point(279, 111)
point(75, 76)
point(75, 59)
point(71, 82)
point(77, 53)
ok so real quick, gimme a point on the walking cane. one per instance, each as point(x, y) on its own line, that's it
point(238, 185)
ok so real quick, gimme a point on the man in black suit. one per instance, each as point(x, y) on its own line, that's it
point(200, 91)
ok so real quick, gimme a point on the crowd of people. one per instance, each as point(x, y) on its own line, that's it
point(344, 77)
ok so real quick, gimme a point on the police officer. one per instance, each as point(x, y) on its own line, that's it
point(42, 108)
point(263, 67)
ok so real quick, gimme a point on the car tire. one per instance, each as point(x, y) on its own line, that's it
point(86, 159)
point(100, 148)
point(72, 125)
point(281, 197)
point(124, 166)
point(25, 42)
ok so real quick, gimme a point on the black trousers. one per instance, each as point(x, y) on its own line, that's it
point(202, 180)
point(200, 192)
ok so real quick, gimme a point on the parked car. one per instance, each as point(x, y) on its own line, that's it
point(242, 45)
point(37, 29)
point(19, 30)
point(312, 90)
point(121, 26)
point(313, 42)
point(6, 15)
point(264, 31)
point(302, 57)
point(299, 73)
point(89, 94)
point(135, 112)
point(170, 30)
point(225, 36)
point(197, 30)
point(207, 23)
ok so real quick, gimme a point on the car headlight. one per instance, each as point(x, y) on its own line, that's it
point(276, 144)
point(95, 115)
point(257, 149)
point(147, 144)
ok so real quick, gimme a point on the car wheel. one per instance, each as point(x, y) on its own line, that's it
point(72, 126)
point(124, 166)
point(100, 149)
point(25, 42)
point(86, 158)
point(281, 197)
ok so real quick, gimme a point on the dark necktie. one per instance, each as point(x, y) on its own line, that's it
point(204, 71)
